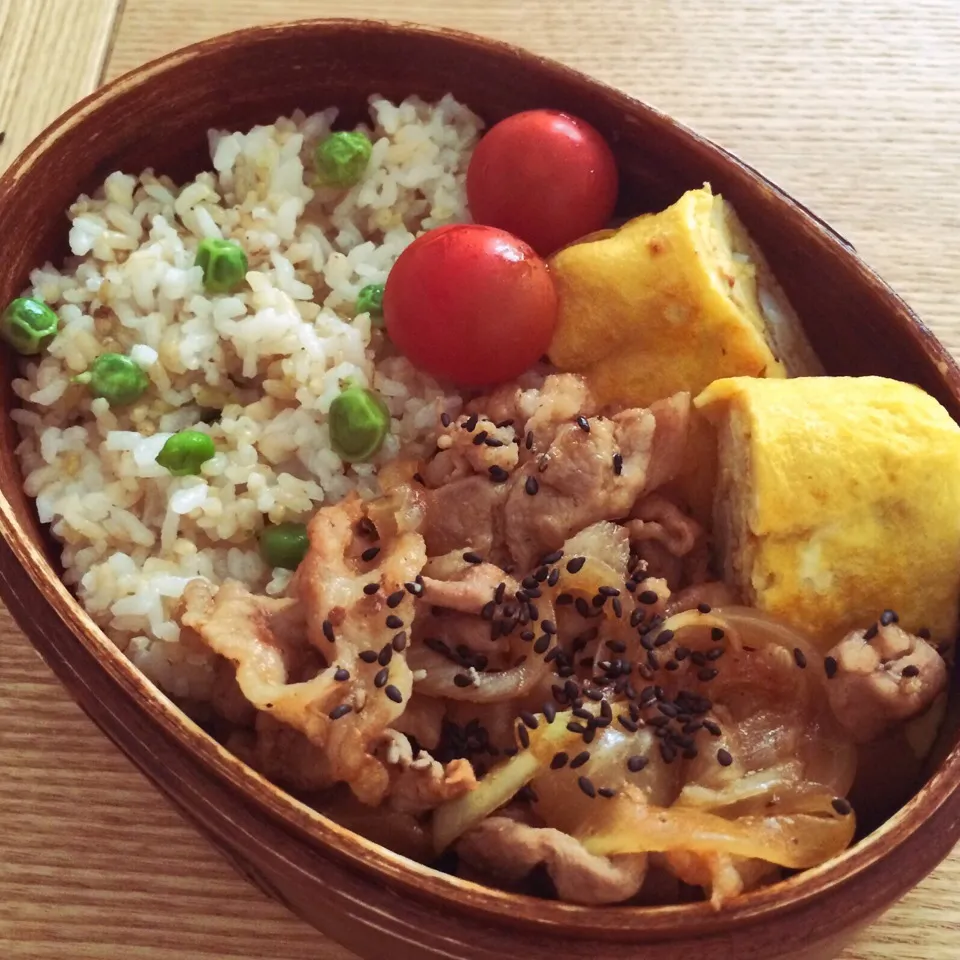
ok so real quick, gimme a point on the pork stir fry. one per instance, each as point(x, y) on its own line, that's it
point(519, 653)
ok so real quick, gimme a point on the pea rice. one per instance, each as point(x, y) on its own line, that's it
point(256, 370)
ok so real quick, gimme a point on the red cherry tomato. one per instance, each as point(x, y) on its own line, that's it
point(471, 304)
point(547, 177)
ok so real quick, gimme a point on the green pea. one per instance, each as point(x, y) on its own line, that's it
point(284, 545)
point(28, 325)
point(116, 378)
point(224, 265)
point(186, 452)
point(341, 158)
point(370, 300)
point(359, 421)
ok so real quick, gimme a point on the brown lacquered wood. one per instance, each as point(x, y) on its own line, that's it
point(373, 901)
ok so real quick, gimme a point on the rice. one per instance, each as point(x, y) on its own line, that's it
point(269, 360)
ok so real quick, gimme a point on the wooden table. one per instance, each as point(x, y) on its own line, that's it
point(854, 107)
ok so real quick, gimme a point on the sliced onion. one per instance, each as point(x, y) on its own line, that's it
point(797, 841)
point(488, 688)
point(454, 818)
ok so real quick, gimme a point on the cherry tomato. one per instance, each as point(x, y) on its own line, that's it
point(547, 177)
point(470, 304)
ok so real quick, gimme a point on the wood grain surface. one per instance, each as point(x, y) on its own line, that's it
point(853, 107)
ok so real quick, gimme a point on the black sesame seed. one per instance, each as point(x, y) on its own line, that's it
point(499, 592)
point(704, 607)
point(462, 680)
point(394, 694)
point(586, 785)
point(385, 655)
point(445, 419)
point(498, 474)
point(493, 442)
point(394, 622)
point(599, 600)
point(648, 597)
point(706, 674)
point(472, 556)
point(395, 599)
point(479, 438)
point(529, 719)
point(830, 667)
point(575, 727)
point(715, 654)
point(724, 758)
point(414, 589)
point(523, 736)
point(528, 440)
point(636, 763)
point(663, 638)
point(371, 588)
point(617, 607)
point(712, 727)
point(531, 486)
point(419, 478)
point(627, 723)
point(888, 617)
point(668, 709)
point(488, 610)
point(559, 761)
point(337, 712)
point(470, 424)
point(576, 564)
point(717, 634)
point(636, 617)
point(608, 591)
point(327, 628)
point(618, 463)
point(870, 632)
point(399, 641)
point(580, 759)
point(504, 423)
point(380, 680)
point(548, 626)
point(923, 633)
point(608, 793)
point(681, 653)
point(668, 752)
point(341, 675)
point(370, 656)
point(841, 806)
point(911, 670)
point(553, 577)
point(549, 712)
point(699, 658)
point(653, 660)
point(369, 554)
point(799, 658)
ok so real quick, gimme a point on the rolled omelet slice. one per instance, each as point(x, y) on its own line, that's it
point(670, 302)
point(838, 498)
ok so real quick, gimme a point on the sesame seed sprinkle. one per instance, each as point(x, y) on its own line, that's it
point(911, 670)
point(580, 759)
point(395, 599)
point(470, 424)
point(394, 622)
point(472, 556)
point(413, 588)
point(583, 423)
point(717, 634)
point(369, 656)
point(871, 632)
point(341, 675)
point(648, 597)
point(327, 628)
point(608, 793)
point(636, 763)
point(618, 463)
point(371, 588)
point(462, 680)
point(529, 719)
point(841, 806)
point(559, 761)
point(498, 474)
point(575, 565)
point(385, 655)
point(586, 785)
point(369, 554)
point(830, 667)
point(724, 758)
point(445, 419)
point(531, 486)
point(799, 658)
point(523, 736)
point(393, 693)
point(399, 641)
point(337, 712)
point(478, 438)
point(380, 680)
